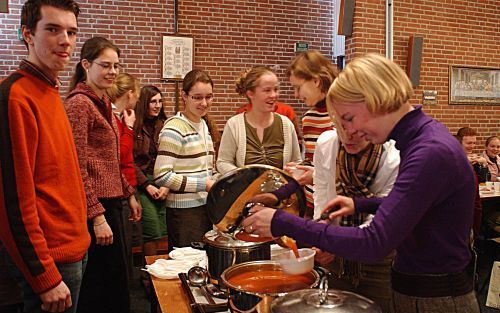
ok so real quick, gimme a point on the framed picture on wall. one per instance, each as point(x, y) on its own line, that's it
point(4, 6)
point(474, 85)
point(177, 56)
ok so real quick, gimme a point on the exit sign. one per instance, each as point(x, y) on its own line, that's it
point(301, 46)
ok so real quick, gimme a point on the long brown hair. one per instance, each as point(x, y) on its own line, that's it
point(91, 50)
point(142, 107)
point(199, 76)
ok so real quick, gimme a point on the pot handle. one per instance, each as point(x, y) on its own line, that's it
point(198, 245)
point(323, 272)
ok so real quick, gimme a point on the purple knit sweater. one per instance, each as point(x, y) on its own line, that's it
point(427, 217)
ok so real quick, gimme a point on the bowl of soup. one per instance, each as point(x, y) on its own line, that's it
point(252, 286)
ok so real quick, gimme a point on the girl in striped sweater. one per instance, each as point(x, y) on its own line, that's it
point(311, 74)
point(185, 163)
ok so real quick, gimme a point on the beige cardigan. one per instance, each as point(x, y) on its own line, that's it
point(233, 145)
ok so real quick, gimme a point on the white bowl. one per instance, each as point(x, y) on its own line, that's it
point(293, 266)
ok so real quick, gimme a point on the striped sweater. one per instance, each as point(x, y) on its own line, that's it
point(184, 162)
point(314, 122)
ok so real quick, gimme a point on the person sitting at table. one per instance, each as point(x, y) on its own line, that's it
point(258, 136)
point(491, 155)
point(467, 137)
point(427, 220)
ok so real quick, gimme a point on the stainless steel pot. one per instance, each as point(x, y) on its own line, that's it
point(224, 251)
point(323, 300)
point(243, 299)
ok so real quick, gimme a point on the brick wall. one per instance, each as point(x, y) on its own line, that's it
point(465, 33)
point(229, 36)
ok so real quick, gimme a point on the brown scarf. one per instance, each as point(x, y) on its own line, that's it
point(354, 174)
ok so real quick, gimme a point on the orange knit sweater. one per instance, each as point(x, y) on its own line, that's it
point(42, 201)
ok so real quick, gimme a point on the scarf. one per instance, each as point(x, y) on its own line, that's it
point(354, 174)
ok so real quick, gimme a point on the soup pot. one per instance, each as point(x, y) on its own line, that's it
point(229, 195)
point(323, 300)
point(253, 285)
point(224, 250)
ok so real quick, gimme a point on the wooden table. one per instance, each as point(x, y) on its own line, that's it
point(167, 295)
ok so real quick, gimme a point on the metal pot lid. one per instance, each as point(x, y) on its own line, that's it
point(323, 300)
point(233, 190)
point(221, 240)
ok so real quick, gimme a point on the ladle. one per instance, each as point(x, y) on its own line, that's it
point(198, 277)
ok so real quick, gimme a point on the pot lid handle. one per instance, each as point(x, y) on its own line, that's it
point(323, 289)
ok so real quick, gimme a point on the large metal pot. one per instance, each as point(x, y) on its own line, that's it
point(252, 286)
point(231, 192)
point(323, 300)
point(224, 250)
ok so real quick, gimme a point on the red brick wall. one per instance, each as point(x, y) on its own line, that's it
point(455, 32)
point(229, 36)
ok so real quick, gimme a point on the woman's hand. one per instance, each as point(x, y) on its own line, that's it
point(153, 191)
point(162, 193)
point(259, 221)
point(135, 209)
point(209, 184)
point(303, 174)
point(306, 178)
point(102, 231)
point(129, 118)
point(323, 258)
point(340, 206)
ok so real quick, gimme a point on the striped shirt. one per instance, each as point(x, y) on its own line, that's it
point(314, 122)
point(184, 162)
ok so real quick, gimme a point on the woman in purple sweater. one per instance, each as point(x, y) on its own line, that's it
point(427, 217)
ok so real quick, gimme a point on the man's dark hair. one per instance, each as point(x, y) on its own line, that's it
point(465, 131)
point(31, 12)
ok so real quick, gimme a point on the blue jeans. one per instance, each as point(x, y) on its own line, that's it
point(71, 273)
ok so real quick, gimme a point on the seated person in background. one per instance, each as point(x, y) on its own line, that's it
point(491, 154)
point(258, 136)
point(283, 109)
point(467, 137)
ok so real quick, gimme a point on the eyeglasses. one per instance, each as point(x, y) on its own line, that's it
point(199, 99)
point(107, 66)
point(156, 101)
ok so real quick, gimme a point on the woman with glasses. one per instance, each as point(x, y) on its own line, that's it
point(258, 136)
point(95, 131)
point(185, 163)
point(149, 122)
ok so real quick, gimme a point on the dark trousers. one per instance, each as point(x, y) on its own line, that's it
point(186, 225)
point(105, 282)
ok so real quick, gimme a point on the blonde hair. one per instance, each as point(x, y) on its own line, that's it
point(312, 64)
point(248, 79)
point(123, 83)
point(372, 79)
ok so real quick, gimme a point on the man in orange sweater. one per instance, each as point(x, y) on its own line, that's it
point(43, 220)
